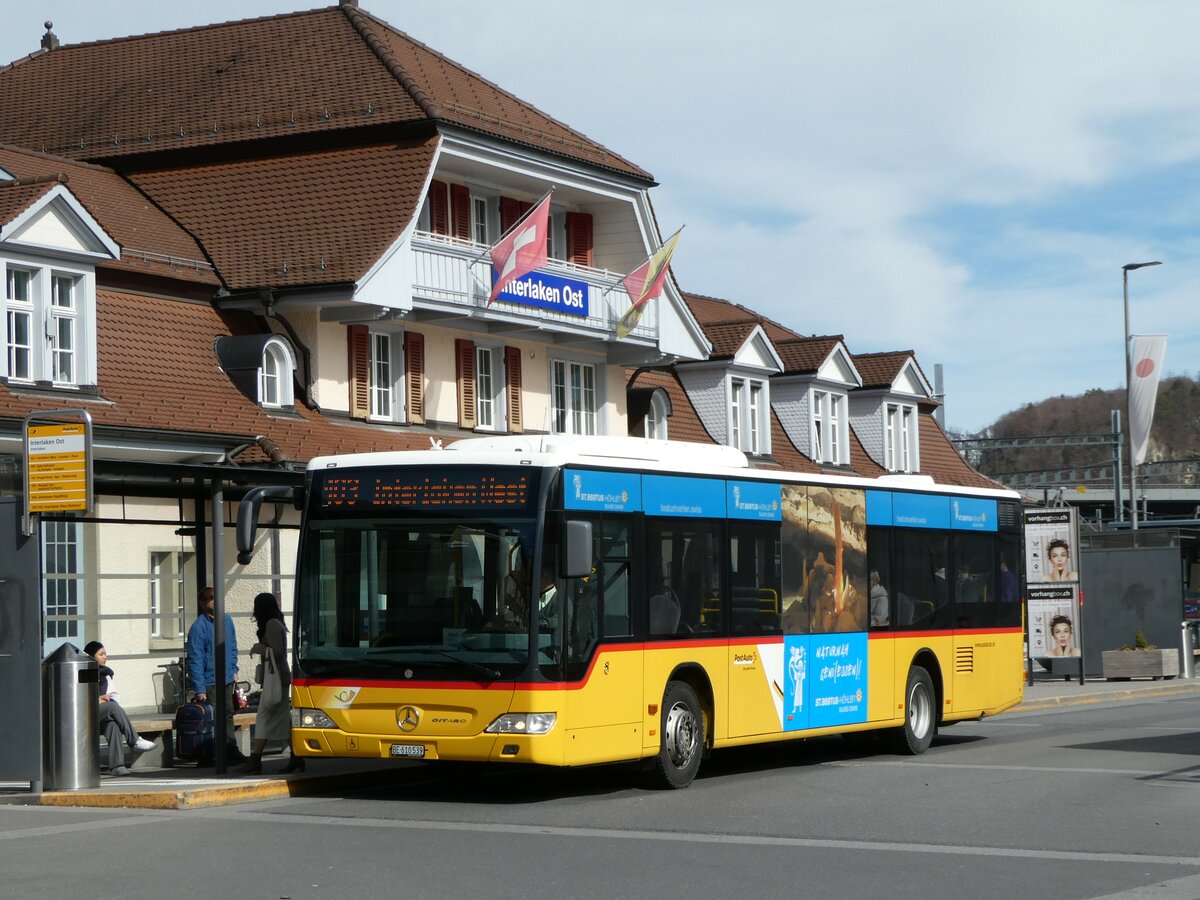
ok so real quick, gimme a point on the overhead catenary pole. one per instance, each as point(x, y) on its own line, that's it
point(1133, 511)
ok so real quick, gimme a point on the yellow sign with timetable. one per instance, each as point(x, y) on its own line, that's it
point(57, 467)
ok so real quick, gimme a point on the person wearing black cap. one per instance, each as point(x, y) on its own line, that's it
point(112, 720)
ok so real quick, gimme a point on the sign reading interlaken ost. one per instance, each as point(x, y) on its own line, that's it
point(58, 466)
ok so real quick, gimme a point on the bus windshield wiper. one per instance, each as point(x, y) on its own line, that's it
point(342, 665)
point(490, 673)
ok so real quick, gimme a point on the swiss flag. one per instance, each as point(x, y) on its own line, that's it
point(522, 249)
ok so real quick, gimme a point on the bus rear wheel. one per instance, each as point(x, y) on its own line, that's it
point(682, 736)
point(920, 714)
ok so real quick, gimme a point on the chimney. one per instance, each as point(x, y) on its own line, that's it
point(49, 40)
point(351, 4)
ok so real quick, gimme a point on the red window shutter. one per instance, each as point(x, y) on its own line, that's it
point(414, 376)
point(439, 208)
point(359, 342)
point(510, 211)
point(464, 352)
point(579, 238)
point(512, 384)
point(460, 211)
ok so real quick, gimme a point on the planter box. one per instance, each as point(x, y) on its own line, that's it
point(1125, 664)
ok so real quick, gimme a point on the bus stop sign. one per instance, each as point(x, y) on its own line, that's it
point(58, 463)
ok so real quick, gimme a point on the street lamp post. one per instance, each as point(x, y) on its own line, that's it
point(1133, 513)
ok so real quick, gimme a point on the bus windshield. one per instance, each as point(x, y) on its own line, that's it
point(415, 597)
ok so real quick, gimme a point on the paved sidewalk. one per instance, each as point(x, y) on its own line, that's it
point(186, 787)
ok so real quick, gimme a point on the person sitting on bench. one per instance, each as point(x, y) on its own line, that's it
point(112, 721)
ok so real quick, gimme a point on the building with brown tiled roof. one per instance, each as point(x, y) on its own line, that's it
point(258, 257)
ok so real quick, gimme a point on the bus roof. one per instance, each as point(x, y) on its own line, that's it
point(555, 451)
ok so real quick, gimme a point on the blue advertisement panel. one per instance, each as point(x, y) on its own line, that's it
point(972, 514)
point(837, 679)
point(603, 491)
point(552, 292)
point(920, 511)
point(753, 500)
point(670, 495)
point(795, 682)
point(879, 508)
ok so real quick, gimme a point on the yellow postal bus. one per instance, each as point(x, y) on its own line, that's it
point(571, 601)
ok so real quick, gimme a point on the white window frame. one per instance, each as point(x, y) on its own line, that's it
point(900, 437)
point(654, 425)
point(276, 375)
point(830, 427)
point(62, 329)
point(556, 238)
point(385, 376)
point(63, 568)
point(59, 337)
point(19, 308)
point(490, 386)
point(575, 405)
point(749, 414)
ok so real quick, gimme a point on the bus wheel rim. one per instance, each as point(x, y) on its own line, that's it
point(920, 711)
point(681, 735)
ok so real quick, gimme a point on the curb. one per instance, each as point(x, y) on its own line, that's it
point(202, 796)
point(1090, 698)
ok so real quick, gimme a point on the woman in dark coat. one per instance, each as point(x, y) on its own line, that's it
point(274, 721)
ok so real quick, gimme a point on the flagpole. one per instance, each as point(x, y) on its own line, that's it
point(1125, 270)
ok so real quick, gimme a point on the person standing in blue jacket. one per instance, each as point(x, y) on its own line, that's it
point(202, 664)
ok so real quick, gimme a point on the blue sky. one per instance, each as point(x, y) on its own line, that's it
point(963, 180)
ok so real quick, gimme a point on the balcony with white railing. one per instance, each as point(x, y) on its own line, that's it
point(453, 275)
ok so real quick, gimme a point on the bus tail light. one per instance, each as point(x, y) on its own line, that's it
point(522, 723)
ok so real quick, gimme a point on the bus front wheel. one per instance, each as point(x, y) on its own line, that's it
point(682, 736)
point(920, 714)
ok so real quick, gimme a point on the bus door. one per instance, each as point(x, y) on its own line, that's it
point(756, 673)
point(602, 667)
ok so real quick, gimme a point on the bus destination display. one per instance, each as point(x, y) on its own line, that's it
point(460, 488)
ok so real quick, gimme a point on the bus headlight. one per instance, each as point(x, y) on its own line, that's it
point(522, 723)
point(311, 718)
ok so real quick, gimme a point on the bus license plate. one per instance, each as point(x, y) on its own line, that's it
point(416, 751)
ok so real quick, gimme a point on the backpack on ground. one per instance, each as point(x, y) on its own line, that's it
point(194, 731)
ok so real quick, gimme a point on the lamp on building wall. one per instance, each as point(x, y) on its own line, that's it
point(1133, 512)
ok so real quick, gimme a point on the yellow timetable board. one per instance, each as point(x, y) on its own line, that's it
point(57, 467)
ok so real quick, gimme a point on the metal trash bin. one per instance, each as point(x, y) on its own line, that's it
point(70, 704)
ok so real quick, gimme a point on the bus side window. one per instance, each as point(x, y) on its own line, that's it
point(755, 578)
point(922, 590)
point(686, 559)
point(881, 605)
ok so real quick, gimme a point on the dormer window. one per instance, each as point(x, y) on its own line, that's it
point(275, 375)
point(830, 428)
point(261, 366)
point(655, 425)
point(46, 311)
point(748, 409)
point(900, 437)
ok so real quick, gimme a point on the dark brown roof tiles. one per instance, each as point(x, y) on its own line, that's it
point(299, 73)
point(322, 217)
point(149, 240)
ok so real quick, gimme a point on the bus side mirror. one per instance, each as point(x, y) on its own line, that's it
point(577, 545)
point(247, 520)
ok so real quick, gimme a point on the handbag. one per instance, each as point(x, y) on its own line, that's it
point(272, 685)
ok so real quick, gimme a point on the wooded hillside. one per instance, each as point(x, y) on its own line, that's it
point(1175, 434)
